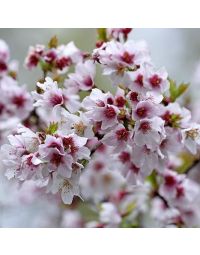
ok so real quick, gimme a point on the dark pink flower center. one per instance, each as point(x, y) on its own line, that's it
point(98, 166)
point(19, 101)
point(68, 143)
point(33, 60)
point(54, 145)
point(124, 157)
point(134, 168)
point(155, 81)
point(142, 112)
point(170, 181)
point(110, 100)
point(120, 101)
point(139, 80)
point(56, 159)
point(88, 81)
point(110, 112)
point(134, 96)
point(3, 66)
point(122, 134)
point(63, 62)
point(2, 107)
point(166, 117)
point(56, 100)
point(29, 161)
point(180, 192)
point(127, 57)
point(145, 126)
point(126, 31)
point(50, 56)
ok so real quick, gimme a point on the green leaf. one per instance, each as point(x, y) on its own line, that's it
point(187, 161)
point(52, 128)
point(45, 66)
point(176, 91)
point(182, 88)
point(153, 180)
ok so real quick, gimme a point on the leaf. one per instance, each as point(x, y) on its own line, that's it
point(45, 66)
point(187, 161)
point(153, 180)
point(177, 91)
point(182, 88)
point(102, 36)
point(52, 128)
point(53, 43)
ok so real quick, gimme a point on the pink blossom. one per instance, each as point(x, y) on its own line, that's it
point(117, 138)
point(101, 109)
point(149, 132)
point(84, 75)
point(156, 80)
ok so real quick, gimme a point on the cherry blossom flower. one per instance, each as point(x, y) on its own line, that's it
point(101, 109)
point(33, 56)
point(60, 58)
point(176, 116)
point(117, 138)
point(68, 187)
point(84, 75)
point(149, 132)
point(109, 215)
point(116, 33)
point(156, 80)
point(145, 109)
point(100, 179)
point(191, 137)
point(71, 123)
point(117, 57)
point(51, 96)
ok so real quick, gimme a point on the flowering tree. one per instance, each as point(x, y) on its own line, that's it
point(126, 155)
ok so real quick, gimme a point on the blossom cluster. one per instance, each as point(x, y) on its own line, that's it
point(122, 152)
point(16, 103)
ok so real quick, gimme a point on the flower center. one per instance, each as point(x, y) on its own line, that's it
point(98, 166)
point(134, 96)
point(122, 134)
point(127, 57)
point(145, 126)
point(120, 101)
point(3, 67)
point(155, 81)
point(79, 127)
point(180, 192)
point(56, 159)
point(2, 107)
point(68, 144)
point(139, 80)
point(110, 112)
point(170, 181)
point(142, 112)
point(63, 62)
point(56, 100)
point(54, 145)
point(193, 133)
point(134, 168)
point(88, 81)
point(19, 101)
point(124, 157)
